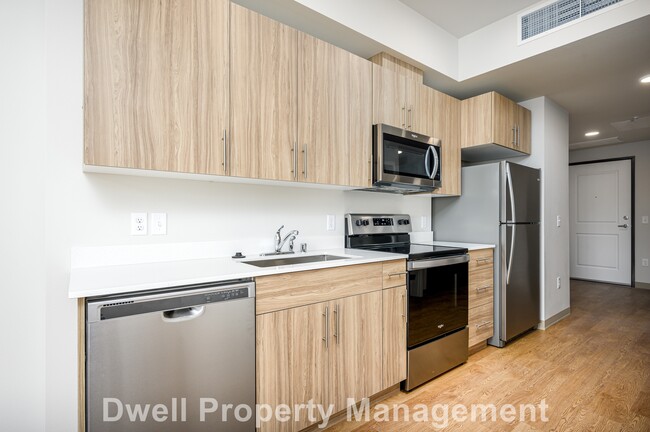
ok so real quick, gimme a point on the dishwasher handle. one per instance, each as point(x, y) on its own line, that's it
point(183, 314)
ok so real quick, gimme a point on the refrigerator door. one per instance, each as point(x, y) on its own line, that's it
point(520, 301)
point(522, 193)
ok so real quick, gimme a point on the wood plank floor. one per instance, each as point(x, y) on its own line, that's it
point(592, 369)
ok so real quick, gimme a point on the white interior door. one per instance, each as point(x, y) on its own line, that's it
point(601, 221)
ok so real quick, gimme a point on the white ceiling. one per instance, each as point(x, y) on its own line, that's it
point(462, 17)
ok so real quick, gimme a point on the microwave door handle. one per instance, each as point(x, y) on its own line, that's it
point(427, 162)
point(436, 162)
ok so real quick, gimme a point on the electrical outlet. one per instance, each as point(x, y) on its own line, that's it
point(559, 221)
point(158, 223)
point(138, 224)
point(331, 222)
point(644, 219)
point(644, 262)
point(559, 282)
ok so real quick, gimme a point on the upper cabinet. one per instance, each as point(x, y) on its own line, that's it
point(334, 114)
point(264, 92)
point(156, 84)
point(301, 108)
point(494, 127)
point(446, 126)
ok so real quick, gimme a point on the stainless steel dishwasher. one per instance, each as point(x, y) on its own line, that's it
point(170, 360)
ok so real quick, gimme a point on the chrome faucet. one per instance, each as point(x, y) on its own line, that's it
point(279, 241)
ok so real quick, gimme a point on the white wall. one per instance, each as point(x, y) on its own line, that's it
point(496, 45)
point(550, 152)
point(22, 258)
point(641, 152)
point(50, 206)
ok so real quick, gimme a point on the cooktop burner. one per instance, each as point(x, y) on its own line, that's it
point(390, 233)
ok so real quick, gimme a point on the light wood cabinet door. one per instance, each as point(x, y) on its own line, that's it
point(263, 89)
point(524, 129)
point(394, 336)
point(292, 361)
point(504, 120)
point(446, 126)
point(389, 97)
point(355, 348)
point(476, 115)
point(334, 114)
point(156, 84)
point(423, 110)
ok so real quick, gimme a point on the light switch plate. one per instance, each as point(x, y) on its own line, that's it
point(644, 262)
point(331, 222)
point(559, 221)
point(158, 223)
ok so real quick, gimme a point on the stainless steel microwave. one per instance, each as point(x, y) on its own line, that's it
point(404, 161)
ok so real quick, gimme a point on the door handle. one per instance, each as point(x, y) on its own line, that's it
point(623, 226)
point(336, 323)
point(483, 288)
point(410, 118)
point(304, 152)
point(294, 152)
point(225, 152)
point(397, 274)
point(404, 117)
point(404, 307)
point(184, 314)
point(326, 338)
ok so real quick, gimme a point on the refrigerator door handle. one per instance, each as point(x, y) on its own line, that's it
point(512, 194)
point(512, 251)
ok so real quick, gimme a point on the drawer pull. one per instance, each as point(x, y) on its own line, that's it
point(483, 288)
point(483, 260)
point(397, 274)
point(483, 324)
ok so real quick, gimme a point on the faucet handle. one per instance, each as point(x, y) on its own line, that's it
point(280, 229)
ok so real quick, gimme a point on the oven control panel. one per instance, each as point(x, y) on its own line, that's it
point(359, 224)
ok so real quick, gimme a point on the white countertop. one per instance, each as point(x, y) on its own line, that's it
point(117, 279)
point(469, 246)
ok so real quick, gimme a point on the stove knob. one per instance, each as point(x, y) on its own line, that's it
point(400, 222)
point(366, 222)
point(358, 222)
point(406, 222)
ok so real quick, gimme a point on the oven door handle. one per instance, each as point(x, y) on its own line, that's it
point(437, 262)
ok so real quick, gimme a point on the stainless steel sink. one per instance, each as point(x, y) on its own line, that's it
point(275, 262)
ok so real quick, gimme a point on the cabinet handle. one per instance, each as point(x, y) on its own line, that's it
point(514, 137)
point(397, 274)
point(483, 260)
point(483, 288)
point(483, 324)
point(518, 136)
point(369, 171)
point(295, 160)
point(404, 307)
point(326, 338)
point(336, 323)
point(410, 118)
point(225, 152)
point(304, 168)
point(404, 116)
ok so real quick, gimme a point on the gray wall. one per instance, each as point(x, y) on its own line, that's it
point(641, 151)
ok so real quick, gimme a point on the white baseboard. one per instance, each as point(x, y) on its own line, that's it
point(543, 325)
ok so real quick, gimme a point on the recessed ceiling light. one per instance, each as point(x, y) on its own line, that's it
point(645, 79)
point(592, 133)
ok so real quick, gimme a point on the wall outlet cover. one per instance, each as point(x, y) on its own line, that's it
point(331, 222)
point(138, 224)
point(644, 262)
point(559, 282)
point(644, 219)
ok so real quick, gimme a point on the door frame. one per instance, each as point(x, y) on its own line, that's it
point(632, 217)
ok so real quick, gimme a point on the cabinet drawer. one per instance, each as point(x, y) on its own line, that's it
point(480, 259)
point(481, 287)
point(481, 323)
point(290, 290)
point(394, 273)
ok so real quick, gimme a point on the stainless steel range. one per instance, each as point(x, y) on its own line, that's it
point(438, 292)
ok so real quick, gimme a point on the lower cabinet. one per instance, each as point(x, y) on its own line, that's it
point(394, 336)
point(481, 296)
point(324, 353)
point(339, 337)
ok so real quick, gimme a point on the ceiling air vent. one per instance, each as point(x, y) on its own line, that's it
point(558, 13)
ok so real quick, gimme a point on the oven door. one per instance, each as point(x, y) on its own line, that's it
point(404, 157)
point(437, 303)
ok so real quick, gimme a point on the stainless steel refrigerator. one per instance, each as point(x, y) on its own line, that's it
point(500, 205)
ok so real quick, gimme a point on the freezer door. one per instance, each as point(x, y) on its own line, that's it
point(522, 193)
point(520, 301)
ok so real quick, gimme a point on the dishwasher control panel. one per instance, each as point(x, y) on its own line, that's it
point(224, 295)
